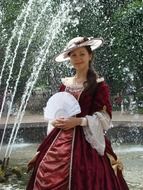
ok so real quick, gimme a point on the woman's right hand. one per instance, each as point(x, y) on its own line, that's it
point(66, 123)
point(31, 163)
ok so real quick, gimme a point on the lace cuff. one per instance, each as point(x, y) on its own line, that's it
point(98, 123)
point(50, 127)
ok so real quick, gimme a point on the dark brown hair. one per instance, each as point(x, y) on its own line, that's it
point(92, 76)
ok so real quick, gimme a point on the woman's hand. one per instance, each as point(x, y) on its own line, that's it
point(31, 163)
point(66, 123)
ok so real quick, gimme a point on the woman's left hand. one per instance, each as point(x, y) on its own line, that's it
point(66, 123)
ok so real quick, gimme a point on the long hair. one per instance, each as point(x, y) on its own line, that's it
point(92, 75)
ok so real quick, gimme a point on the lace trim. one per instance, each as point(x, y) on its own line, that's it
point(100, 80)
point(50, 127)
point(69, 82)
point(98, 123)
point(73, 89)
point(71, 161)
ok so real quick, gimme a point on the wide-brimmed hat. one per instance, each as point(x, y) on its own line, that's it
point(77, 42)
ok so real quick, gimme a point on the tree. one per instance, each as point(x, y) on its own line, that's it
point(118, 22)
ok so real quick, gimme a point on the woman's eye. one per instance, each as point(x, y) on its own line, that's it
point(73, 55)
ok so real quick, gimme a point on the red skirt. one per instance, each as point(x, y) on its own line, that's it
point(68, 162)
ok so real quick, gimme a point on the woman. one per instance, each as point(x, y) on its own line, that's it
point(76, 155)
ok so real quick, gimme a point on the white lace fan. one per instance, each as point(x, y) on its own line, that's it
point(61, 104)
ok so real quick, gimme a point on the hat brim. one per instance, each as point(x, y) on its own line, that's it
point(94, 43)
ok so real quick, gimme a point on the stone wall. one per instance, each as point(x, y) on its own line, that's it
point(36, 132)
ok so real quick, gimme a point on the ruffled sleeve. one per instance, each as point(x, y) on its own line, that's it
point(100, 120)
point(98, 123)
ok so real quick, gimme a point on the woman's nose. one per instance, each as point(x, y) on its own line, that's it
point(78, 58)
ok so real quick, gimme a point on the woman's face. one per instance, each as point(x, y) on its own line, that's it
point(80, 58)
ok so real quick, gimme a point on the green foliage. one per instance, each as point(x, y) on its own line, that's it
point(120, 23)
point(11, 9)
point(123, 56)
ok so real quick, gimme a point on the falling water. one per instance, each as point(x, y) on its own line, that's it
point(13, 61)
point(56, 27)
point(15, 53)
point(21, 67)
point(14, 33)
point(53, 30)
point(0, 16)
point(57, 21)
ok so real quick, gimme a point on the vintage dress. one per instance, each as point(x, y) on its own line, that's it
point(81, 167)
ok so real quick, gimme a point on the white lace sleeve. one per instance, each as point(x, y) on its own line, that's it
point(50, 127)
point(98, 123)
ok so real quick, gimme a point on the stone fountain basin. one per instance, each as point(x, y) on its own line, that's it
point(127, 128)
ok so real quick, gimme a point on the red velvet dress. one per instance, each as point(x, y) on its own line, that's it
point(68, 162)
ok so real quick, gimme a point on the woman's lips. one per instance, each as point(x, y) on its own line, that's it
point(79, 63)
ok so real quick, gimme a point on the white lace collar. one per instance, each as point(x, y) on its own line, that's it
point(68, 81)
point(100, 80)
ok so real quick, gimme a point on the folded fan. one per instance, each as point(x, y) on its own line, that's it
point(61, 104)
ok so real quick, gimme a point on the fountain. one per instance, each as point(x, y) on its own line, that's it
point(39, 30)
point(56, 22)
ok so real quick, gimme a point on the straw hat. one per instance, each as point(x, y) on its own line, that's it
point(77, 42)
